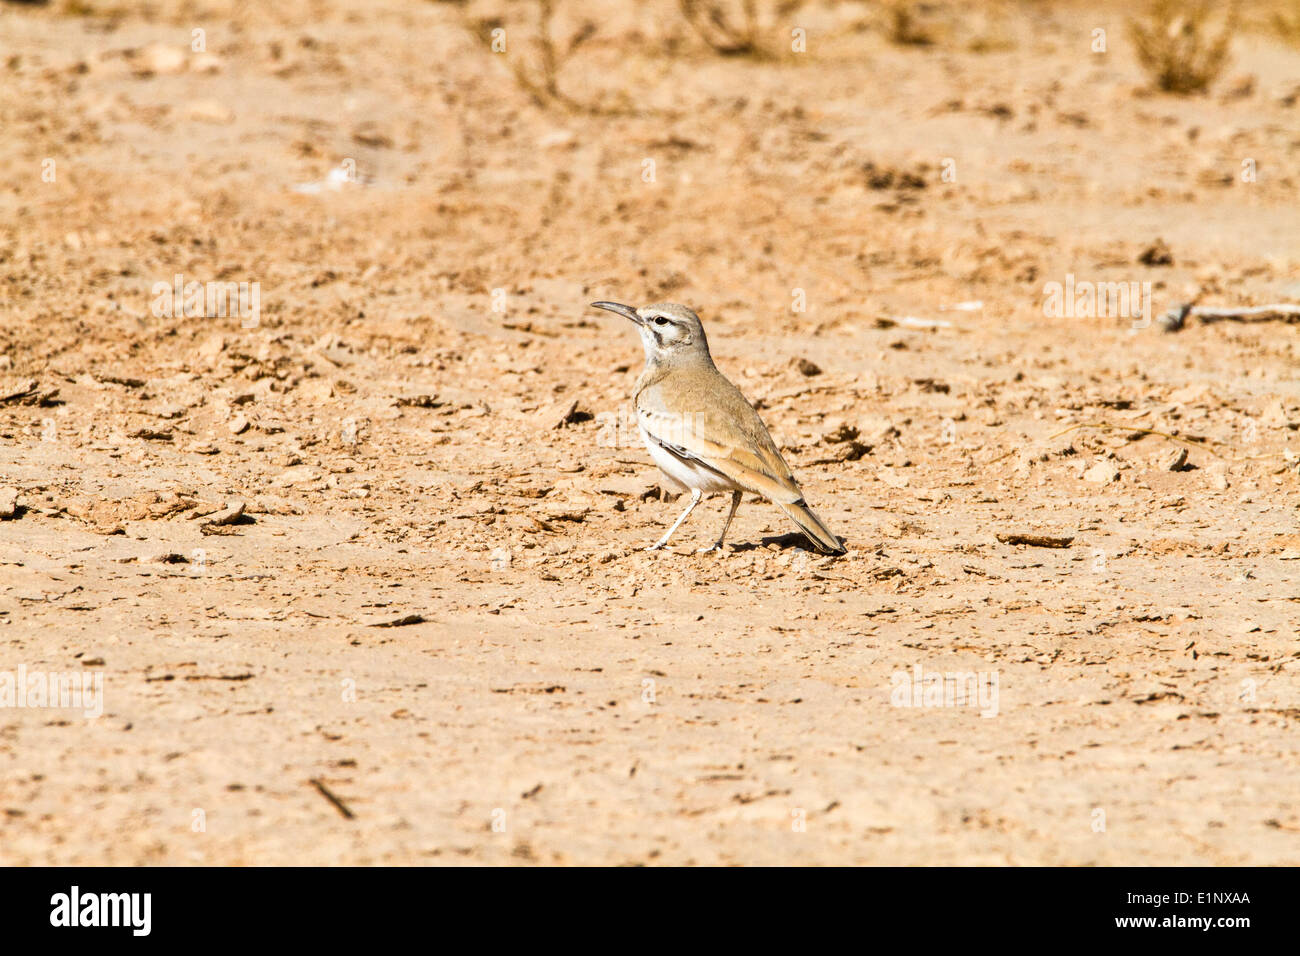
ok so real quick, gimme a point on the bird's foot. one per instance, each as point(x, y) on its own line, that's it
point(712, 548)
point(657, 546)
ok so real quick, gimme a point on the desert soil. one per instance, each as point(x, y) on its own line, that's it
point(434, 635)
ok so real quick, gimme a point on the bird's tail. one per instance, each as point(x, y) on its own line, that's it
point(813, 526)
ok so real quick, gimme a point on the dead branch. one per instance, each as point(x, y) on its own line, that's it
point(1176, 317)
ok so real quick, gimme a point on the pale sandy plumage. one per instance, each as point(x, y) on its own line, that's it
point(699, 428)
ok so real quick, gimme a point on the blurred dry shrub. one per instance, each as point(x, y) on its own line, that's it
point(1288, 24)
point(904, 26)
point(735, 27)
point(1177, 46)
point(536, 69)
point(981, 27)
point(990, 25)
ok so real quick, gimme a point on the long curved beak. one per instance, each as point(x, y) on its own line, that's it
point(624, 310)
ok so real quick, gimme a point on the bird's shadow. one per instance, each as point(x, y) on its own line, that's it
point(791, 541)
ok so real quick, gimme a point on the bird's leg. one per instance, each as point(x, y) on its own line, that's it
point(695, 500)
point(735, 503)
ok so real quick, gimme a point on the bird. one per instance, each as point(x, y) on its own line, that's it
point(699, 428)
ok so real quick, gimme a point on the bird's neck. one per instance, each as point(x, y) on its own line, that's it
point(659, 366)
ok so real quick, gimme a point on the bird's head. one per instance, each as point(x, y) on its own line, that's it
point(669, 332)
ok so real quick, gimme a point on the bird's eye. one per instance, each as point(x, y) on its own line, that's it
point(660, 320)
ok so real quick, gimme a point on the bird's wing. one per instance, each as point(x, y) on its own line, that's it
point(725, 435)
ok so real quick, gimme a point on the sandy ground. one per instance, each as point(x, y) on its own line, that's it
point(428, 429)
